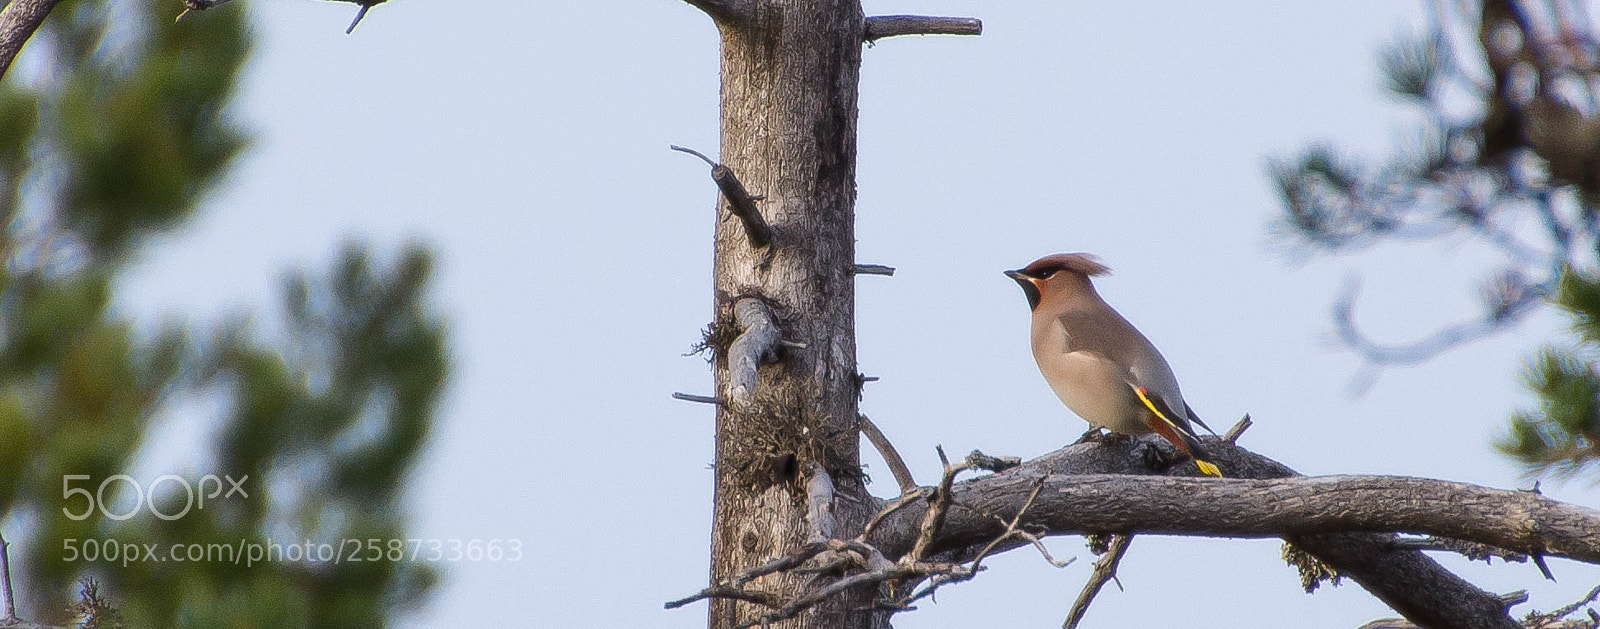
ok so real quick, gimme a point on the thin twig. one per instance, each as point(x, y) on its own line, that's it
point(702, 399)
point(916, 493)
point(897, 465)
point(1105, 569)
point(1540, 620)
point(872, 269)
point(766, 599)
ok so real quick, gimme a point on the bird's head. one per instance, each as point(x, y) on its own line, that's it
point(1062, 273)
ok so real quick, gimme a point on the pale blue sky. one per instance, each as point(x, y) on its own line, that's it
point(528, 143)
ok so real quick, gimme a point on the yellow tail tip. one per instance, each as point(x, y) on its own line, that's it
point(1208, 469)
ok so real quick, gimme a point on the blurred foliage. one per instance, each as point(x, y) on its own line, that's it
point(123, 131)
point(1562, 437)
point(1509, 155)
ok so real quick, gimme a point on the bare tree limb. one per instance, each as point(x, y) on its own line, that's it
point(1105, 569)
point(881, 26)
point(18, 21)
point(201, 5)
point(723, 11)
point(1540, 620)
point(1407, 580)
point(1470, 550)
point(897, 465)
point(700, 399)
point(872, 269)
point(757, 344)
point(1250, 508)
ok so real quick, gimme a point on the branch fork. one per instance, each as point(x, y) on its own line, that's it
point(872, 566)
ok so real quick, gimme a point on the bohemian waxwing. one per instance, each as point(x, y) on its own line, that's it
point(1099, 364)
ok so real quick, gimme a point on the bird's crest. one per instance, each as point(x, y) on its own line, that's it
point(1081, 263)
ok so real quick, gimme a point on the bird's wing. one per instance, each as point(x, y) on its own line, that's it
point(1105, 332)
point(1159, 405)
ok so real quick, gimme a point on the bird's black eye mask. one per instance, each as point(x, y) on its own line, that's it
point(1026, 281)
point(1033, 294)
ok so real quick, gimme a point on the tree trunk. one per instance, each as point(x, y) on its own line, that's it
point(789, 79)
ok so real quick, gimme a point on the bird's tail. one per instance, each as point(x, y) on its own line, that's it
point(1196, 452)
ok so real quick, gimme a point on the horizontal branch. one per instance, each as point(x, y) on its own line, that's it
point(881, 26)
point(756, 344)
point(1104, 487)
point(872, 269)
point(1520, 521)
point(18, 21)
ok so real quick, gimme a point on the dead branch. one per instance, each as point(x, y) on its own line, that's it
point(1543, 620)
point(1471, 550)
point(201, 5)
point(1344, 521)
point(699, 399)
point(740, 202)
point(881, 26)
point(874, 568)
point(757, 344)
point(891, 457)
point(872, 269)
point(1250, 508)
point(1407, 580)
point(1105, 569)
point(18, 21)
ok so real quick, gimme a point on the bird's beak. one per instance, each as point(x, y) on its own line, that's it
point(1029, 284)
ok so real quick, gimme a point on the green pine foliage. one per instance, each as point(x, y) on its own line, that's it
point(1562, 437)
point(120, 134)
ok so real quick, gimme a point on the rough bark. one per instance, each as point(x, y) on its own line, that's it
point(18, 20)
point(1096, 488)
point(789, 78)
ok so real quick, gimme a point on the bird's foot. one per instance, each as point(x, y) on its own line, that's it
point(1091, 435)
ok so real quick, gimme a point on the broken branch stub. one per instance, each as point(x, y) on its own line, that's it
point(740, 201)
point(757, 344)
